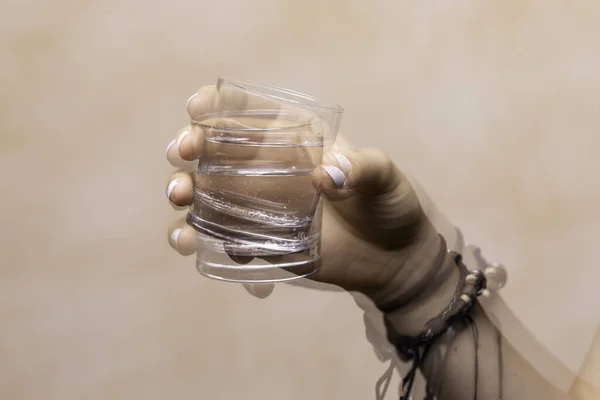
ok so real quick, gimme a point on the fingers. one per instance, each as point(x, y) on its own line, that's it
point(264, 290)
point(187, 145)
point(191, 148)
point(182, 237)
point(203, 102)
point(180, 189)
point(346, 172)
point(211, 99)
point(237, 96)
point(259, 290)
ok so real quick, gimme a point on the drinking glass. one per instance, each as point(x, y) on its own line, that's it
point(256, 211)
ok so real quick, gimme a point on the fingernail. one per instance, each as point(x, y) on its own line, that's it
point(344, 162)
point(174, 237)
point(183, 135)
point(336, 174)
point(171, 143)
point(171, 187)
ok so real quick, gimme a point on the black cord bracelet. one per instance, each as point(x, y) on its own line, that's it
point(471, 284)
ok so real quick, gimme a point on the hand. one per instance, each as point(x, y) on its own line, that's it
point(376, 238)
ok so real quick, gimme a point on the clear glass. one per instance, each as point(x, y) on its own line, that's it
point(256, 211)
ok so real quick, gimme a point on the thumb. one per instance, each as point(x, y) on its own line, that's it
point(369, 191)
point(347, 172)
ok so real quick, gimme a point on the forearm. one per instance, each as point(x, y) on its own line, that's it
point(454, 377)
point(584, 390)
point(587, 384)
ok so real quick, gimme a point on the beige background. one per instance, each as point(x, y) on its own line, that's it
point(493, 105)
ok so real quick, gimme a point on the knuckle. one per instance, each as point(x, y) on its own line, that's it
point(379, 156)
point(379, 160)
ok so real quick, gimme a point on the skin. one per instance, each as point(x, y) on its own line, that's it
point(587, 384)
point(354, 221)
point(377, 242)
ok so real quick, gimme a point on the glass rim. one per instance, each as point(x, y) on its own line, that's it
point(312, 102)
point(294, 128)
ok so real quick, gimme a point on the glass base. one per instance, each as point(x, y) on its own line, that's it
point(251, 257)
point(259, 273)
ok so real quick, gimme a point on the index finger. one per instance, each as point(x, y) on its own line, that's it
point(230, 98)
point(202, 102)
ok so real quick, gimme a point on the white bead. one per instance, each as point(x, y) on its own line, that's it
point(496, 276)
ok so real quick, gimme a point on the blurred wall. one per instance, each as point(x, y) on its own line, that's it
point(493, 105)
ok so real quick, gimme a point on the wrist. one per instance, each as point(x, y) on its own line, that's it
point(424, 293)
point(416, 268)
point(410, 318)
point(423, 286)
